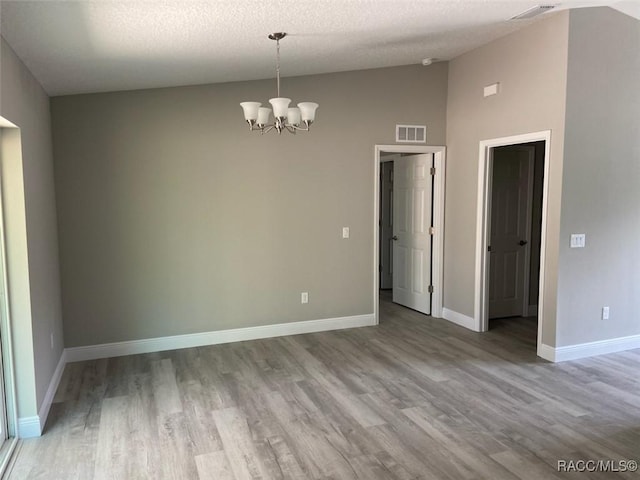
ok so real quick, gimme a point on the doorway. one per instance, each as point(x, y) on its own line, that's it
point(515, 217)
point(512, 210)
point(409, 187)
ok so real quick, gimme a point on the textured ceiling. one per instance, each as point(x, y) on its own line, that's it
point(101, 45)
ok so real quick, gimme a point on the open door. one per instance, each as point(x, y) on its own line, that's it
point(412, 213)
point(511, 203)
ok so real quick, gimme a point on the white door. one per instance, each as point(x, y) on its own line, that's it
point(511, 199)
point(412, 187)
point(386, 225)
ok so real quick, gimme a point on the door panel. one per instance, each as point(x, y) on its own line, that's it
point(400, 259)
point(412, 219)
point(511, 198)
point(418, 261)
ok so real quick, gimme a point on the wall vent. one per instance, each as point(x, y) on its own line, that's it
point(411, 133)
point(533, 12)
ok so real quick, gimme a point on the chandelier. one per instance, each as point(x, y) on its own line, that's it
point(287, 118)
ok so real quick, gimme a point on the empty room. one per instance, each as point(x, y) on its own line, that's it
point(319, 239)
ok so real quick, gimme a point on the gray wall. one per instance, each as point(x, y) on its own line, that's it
point(601, 185)
point(175, 219)
point(531, 67)
point(29, 193)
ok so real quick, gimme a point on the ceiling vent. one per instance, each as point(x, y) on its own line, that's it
point(533, 12)
point(411, 133)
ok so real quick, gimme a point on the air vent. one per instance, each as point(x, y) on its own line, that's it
point(411, 133)
point(533, 12)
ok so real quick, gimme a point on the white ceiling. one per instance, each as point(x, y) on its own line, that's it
point(106, 45)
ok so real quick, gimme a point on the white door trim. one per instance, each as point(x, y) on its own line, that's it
point(15, 142)
point(481, 315)
point(438, 222)
point(7, 143)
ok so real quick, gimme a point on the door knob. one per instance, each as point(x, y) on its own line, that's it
point(394, 238)
point(522, 242)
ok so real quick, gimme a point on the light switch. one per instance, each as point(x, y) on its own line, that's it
point(345, 232)
point(577, 240)
point(491, 89)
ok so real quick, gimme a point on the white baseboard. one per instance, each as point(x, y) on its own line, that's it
point(590, 349)
point(29, 427)
point(459, 319)
point(51, 391)
point(547, 352)
point(117, 349)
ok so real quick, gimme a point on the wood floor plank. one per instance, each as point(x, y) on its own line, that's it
point(465, 452)
point(175, 446)
point(287, 463)
point(165, 387)
point(524, 468)
point(316, 370)
point(317, 457)
point(238, 444)
point(112, 448)
point(214, 466)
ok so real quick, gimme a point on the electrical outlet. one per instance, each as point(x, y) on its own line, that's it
point(345, 232)
point(605, 313)
point(578, 240)
point(304, 297)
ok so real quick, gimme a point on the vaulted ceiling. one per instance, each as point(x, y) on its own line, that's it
point(106, 45)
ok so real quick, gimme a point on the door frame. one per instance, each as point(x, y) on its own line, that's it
point(11, 141)
point(437, 270)
point(481, 310)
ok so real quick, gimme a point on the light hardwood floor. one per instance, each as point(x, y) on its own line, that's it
point(414, 398)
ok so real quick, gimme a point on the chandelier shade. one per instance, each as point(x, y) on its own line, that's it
point(263, 116)
point(250, 110)
point(280, 107)
point(293, 115)
point(308, 111)
point(285, 117)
